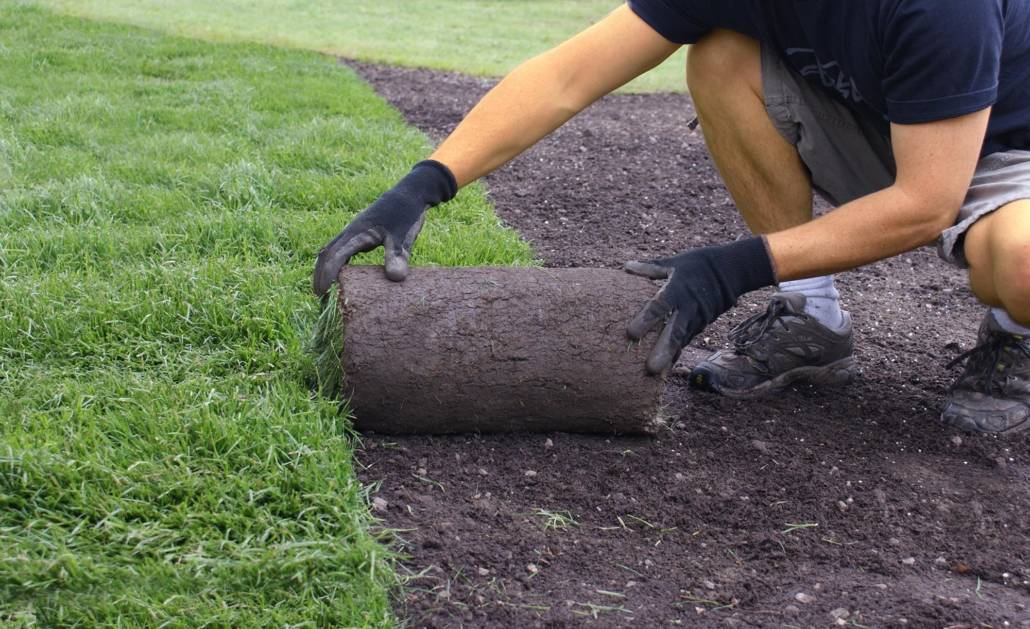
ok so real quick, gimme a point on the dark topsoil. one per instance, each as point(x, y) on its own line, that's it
point(815, 505)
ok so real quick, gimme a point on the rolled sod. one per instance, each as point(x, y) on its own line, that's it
point(495, 350)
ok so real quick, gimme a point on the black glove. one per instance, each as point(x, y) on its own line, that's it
point(703, 284)
point(394, 221)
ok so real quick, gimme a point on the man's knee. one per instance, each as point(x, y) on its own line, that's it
point(1013, 280)
point(724, 60)
point(1007, 246)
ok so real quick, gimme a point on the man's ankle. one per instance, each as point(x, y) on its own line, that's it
point(822, 301)
point(1008, 324)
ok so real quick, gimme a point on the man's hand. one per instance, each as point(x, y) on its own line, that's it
point(702, 284)
point(394, 221)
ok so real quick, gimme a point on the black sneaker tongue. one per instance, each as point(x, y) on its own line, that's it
point(793, 303)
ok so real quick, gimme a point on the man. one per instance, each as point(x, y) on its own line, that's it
point(911, 116)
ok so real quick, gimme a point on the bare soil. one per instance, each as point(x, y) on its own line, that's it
point(814, 508)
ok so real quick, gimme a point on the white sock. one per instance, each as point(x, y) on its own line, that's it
point(822, 299)
point(1007, 323)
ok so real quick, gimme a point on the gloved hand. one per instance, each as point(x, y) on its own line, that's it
point(702, 284)
point(394, 221)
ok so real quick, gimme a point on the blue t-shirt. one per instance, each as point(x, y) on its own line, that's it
point(901, 61)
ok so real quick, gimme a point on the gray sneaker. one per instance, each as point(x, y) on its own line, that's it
point(993, 393)
point(777, 348)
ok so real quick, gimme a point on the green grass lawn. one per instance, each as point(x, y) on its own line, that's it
point(163, 459)
point(485, 37)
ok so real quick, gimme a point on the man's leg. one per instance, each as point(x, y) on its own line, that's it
point(993, 393)
point(997, 248)
point(771, 186)
point(762, 171)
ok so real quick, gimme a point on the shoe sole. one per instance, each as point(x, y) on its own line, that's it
point(961, 422)
point(836, 374)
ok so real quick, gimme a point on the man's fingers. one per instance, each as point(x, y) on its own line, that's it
point(670, 343)
point(653, 313)
point(396, 260)
point(338, 253)
point(652, 269)
point(397, 254)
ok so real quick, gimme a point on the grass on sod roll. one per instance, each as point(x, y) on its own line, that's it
point(484, 37)
point(162, 456)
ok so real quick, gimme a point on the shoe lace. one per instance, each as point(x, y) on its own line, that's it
point(985, 363)
point(751, 330)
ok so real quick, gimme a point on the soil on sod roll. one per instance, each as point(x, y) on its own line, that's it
point(496, 350)
point(816, 505)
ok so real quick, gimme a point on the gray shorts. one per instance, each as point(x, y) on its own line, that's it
point(849, 158)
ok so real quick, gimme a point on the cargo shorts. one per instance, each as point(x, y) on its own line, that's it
point(848, 157)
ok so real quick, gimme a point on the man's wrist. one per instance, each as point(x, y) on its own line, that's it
point(750, 263)
point(443, 184)
point(772, 260)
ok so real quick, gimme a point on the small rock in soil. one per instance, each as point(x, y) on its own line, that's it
point(840, 613)
point(484, 572)
point(548, 444)
point(708, 584)
point(909, 561)
point(532, 568)
point(379, 504)
point(956, 441)
point(793, 610)
point(530, 473)
point(803, 597)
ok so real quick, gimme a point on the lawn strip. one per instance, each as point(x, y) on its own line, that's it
point(163, 456)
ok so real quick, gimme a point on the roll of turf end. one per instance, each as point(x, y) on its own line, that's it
point(496, 349)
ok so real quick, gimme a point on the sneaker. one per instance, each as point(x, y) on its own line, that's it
point(777, 348)
point(993, 393)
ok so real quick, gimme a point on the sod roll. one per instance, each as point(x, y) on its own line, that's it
point(495, 350)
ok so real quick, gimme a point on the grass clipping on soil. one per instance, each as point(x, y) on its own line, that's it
point(163, 458)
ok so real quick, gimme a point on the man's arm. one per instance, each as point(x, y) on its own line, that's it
point(935, 161)
point(544, 92)
point(535, 99)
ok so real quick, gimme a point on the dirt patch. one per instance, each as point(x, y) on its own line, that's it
point(811, 507)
